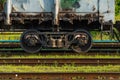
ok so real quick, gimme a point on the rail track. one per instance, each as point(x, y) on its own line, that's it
point(60, 61)
point(16, 44)
point(9, 41)
point(5, 47)
point(93, 50)
point(60, 76)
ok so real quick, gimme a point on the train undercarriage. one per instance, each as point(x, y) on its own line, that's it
point(72, 32)
point(34, 40)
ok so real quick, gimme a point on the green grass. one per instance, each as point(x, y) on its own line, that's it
point(65, 68)
point(117, 18)
point(9, 37)
point(97, 35)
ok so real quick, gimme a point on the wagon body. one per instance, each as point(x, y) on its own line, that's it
point(106, 8)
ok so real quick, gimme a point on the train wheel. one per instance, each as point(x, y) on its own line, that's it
point(30, 41)
point(82, 41)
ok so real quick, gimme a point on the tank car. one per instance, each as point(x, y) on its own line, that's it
point(57, 24)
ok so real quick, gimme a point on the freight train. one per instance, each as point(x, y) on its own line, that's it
point(57, 24)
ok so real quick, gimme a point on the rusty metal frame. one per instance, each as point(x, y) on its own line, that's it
point(23, 16)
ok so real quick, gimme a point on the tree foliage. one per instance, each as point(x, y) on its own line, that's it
point(2, 4)
point(2, 1)
point(117, 9)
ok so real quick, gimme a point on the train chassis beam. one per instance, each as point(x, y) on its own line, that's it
point(32, 41)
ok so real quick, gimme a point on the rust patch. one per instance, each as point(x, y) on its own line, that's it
point(72, 16)
point(26, 16)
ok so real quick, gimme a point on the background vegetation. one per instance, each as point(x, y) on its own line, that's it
point(117, 10)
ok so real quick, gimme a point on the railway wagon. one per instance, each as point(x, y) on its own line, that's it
point(58, 24)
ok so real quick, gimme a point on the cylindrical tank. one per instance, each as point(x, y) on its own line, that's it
point(106, 8)
point(33, 5)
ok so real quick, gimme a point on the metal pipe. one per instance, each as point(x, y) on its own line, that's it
point(8, 12)
point(56, 12)
point(9, 41)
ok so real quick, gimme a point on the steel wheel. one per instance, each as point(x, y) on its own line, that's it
point(82, 41)
point(30, 41)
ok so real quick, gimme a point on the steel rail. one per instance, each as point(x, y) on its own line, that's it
point(59, 61)
point(60, 76)
point(94, 45)
point(94, 41)
point(13, 44)
point(93, 50)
